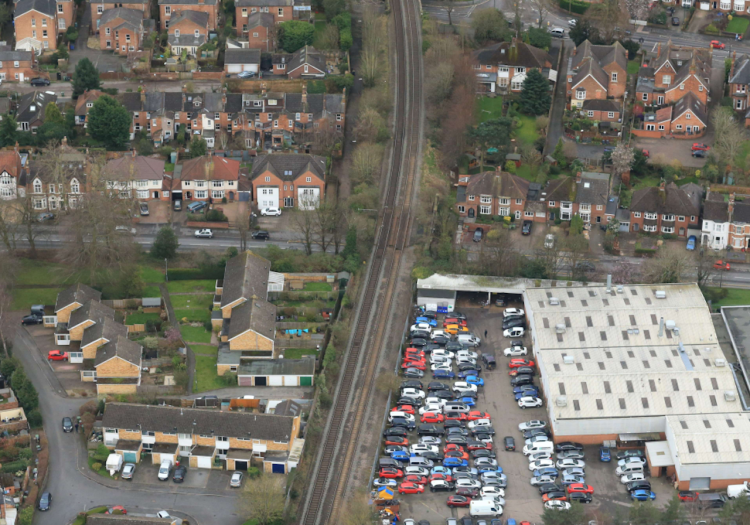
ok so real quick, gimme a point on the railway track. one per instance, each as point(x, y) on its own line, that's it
point(341, 435)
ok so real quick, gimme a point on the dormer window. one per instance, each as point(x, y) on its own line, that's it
point(197, 103)
point(197, 33)
point(37, 186)
point(177, 32)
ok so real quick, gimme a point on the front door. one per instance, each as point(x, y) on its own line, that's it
point(471, 213)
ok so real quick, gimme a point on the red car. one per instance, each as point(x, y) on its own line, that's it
point(700, 146)
point(453, 320)
point(410, 488)
point(560, 496)
point(413, 352)
point(478, 414)
point(721, 265)
point(57, 355)
point(515, 363)
point(396, 440)
point(460, 454)
point(458, 501)
point(479, 445)
point(456, 416)
point(442, 477)
point(686, 495)
point(391, 473)
point(646, 153)
point(580, 487)
point(117, 509)
point(414, 478)
point(408, 409)
point(414, 358)
point(413, 364)
point(468, 492)
point(432, 417)
point(717, 45)
point(452, 446)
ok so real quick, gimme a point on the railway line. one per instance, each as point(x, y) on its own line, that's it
point(327, 486)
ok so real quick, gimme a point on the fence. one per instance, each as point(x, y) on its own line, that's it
point(136, 328)
point(281, 344)
point(156, 362)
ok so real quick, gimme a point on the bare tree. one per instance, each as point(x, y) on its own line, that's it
point(303, 221)
point(669, 266)
point(576, 246)
point(262, 500)
point(329, 40)
point(704, 271)
point(540, 9)
point(243, 225)
point(7, 279)
point(10, 232)
point(223, 140)
point(622, 158)
point(374, 41)
point(29, 222)
point(366, 163)
point(729, 136)
point(607, 16)
point(637, 9)
point(326, 138)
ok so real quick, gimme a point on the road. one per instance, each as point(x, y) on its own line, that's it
point(74, 488)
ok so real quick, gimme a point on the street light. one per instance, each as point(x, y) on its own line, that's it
point(166, 270)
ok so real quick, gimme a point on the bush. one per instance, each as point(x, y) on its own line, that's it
point(14, 466)
point(208, 326)
point(253, 472)
point(35, 418)
point(216, 216)
point(574, 6)
point(26, 516)
point(96, 466)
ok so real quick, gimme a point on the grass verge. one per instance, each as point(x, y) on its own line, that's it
point(195, 334)
point(297, 353)
point(736, 297)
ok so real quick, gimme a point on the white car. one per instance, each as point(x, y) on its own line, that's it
point(432, 407)
point(441, 366)
point(468, 483)
point(536, 439)
point(492, 491)
point(540, 455)
point(513, 312)
point(571, 463)
point(516, 331)
point(465, 359)
point(541, 463)
point(271, 211)
point(164, 469)
point(631, 461)
point(436, 333)
point(384, 482)
point(549, 241)
point(163, 514)
point(412, 392)
point(556, 504)
point(434, 401)
point(479, 423)
point(461, 386)
point(419, 471)
point(530, 402)
point(420, 326)
point(408, 417)
point(466, 353)
point(205, 233)
point(534, 424)
point(633, 476)
point(572, 22)
point(515, 351)
point(442, 352)
point(541, 480)
point(419, 447)
point(434, 359)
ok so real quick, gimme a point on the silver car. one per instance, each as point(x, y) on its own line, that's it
point(236, 481)
point(128, 470)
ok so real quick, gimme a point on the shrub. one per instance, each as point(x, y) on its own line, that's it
point(14, 466)
point(253, 472)
point(208, 326)
point(216, 216)
point(96, 466)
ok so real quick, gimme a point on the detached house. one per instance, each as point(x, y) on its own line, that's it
point(84, 103)
point(210, 178)
point(98, 8)
point(31, 109)
point(592, 192)
point(121, 30)
point(726, 222)
point(492, 193)
point(503, 66)
point(17, 65)
point(596, 72)
point(288, 180)
point(281, 10)
point(37, 23)
point(188, 31)
point(666, 209)
point(672, 72)
point(170, 9)
point(135, 176)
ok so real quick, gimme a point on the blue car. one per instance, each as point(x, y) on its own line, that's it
point(441, 470)
point(605, 455)
point(474, 380)
point(400, 455)
point(443, 374)
point(486, 468)
point(534, 393)
point(546, 471)
point(532, 390)
point(455, 462)
point(642, 495)
point(508, 522)
point(468, 401)
point(571, 480)
point(431, 322)
point(468, 373)
point(691, 243)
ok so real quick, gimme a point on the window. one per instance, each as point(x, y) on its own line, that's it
point(682, 87)
point(688, 116)
point(519, 201)
point(700, 88)
point(244, 12)
point(679, 126)
point(614, 77)
point(650, 127)
point(59, 8)
point(471, 197)
point(168, 10)
point(281, 12)
point(37, 186)
point(660, 99)
point(485, 199)
point(581, 94)
point(552, 203)
point(197, 34)
point(591, 114)
point(461, 209)
point(611, 114)
point(107, 31)
point(44, 22)
point(74, 186)
point(666, 79)
point(645, 96)
point(177, 32)
point(255, 35)
point(268, 179)
point(485, 210)
point(661, 127)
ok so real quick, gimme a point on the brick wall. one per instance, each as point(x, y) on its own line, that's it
point(251, 340)
point(117, 367)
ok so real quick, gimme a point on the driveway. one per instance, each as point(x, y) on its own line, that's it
point(103, 61)
point(555, 129)
point(75, 488)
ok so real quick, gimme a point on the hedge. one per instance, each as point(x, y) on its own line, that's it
point(189, 274)
point(575, 6)
point(14, 466)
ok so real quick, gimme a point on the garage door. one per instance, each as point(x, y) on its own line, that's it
point(305, 381)
point(260, 380)
point(245, 380)
point(700, 483)
point(290, 380)
point(234, 68)
point(129, 457)
point(275, 380)
point(240, 464)
point(277, 468)
point(204, 462)
point(268, 198)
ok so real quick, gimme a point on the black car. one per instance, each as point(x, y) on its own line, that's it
point(412, 384)
point(395, 431)
point(429, 347)
point(585, 266)
point(452, 423)
point(455, 346)
point(699, 153)
point(179, 474)
point(528, 370)
point(406, 400)
point(638, 485)
point(514, 322)
point(261, 235)
point(420, 334)
point(568, 445)
point(433, 456)
point(388, 462)
point(418, 342)
point(522, 380)
point(45, 501)
point(535, 432)
point(441, 340)
point(510, 443)
point(67, 424)
point(431, 314)
point(456, 431)
point(403, 422)
point(456, 439)
point(546, 488)
point(483, 454)
point(32, 319)
point(526, 229)
point(430, 430)
point(489, 361)
point(675, 21)
point(435, 386)
point(37, 81)
point(466, 366)
point(580, 497)
point(442, 394)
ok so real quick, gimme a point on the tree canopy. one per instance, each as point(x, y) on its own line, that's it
point(493, 133)
point(535, 94)
point(490, 24)
point(166, 244)
point(109, 122)
point(540, 38)
point(295, 34)
point(198, 147)
point(8, 130)
point(85, 77)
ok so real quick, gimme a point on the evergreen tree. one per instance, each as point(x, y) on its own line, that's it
point(8, 130)
point(535, 97)
point(53, 114)
point(166, 244)
point(559, 155)
point(109, 122)
point(198, 147)
point(295, 34)
point(85, 77)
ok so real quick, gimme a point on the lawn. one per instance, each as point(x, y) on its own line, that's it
point(196, 315)
point(205, 374)
point(151, 275)
point(318, 287)
point(151, 291)
point(191, 302)
point(489, 108)
point(205, 349)
point(141, 318)
point(297, 353)
point(634, 66)
point(195, 334)
point(191, 286)
point(526, 132)
point(320, 27)
point(736, 297)
point(737, 25)
point(525, 172)
point(41, 272)
point(23, 298)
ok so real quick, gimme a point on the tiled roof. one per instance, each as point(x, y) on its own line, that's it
point(671, 199)
point(259, 19)
point(86, 97)
point(601, 104)
point(513, 54)
point(245, 276)
point(131, 17)
point(289, 166)
point(559, 190)
point(715, 208)
point(107, 328)
point(43, 6)
point(498, 184)
point(593, 189)
point(210, 167)
point(257, 315)
point(242, 56)
point(197, 17)
point(123, 348)
point(92, 310)
point(741, 73)
point(691, 102)
point(307, 55)
point(78, 293)
point(138, 168)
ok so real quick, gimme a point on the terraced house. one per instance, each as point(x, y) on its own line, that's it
point(204, 438)
point(596, 72)
point(98, 7)
point(12, 174)
point(17, 65)
point(726, 222)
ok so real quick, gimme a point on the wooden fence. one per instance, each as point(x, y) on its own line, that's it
point(281, 343)
point(136, 328)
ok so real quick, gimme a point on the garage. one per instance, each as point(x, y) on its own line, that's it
point(202, 456)
point(130, 457)
point(290, 380)
point(130, 450)
point(259, 381)
point(305, 381)
point(277, 468)
point(162, 452)
point(240, 464)
point(277, 372)
point(275, 380)
point(237, 60)
point(239, 458)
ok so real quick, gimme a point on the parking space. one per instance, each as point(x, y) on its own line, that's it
point(69, 374)
point(146, 474)
point(159, 212)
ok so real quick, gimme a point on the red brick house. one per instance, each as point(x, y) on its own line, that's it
point(259, 31)
point(281, 10)
point(672, 72)
point(559, 195)
point(664, 209)
point(288, 180)
point(503, 66)
point(492, 193)
point(98, 7)
point(84, 103)
point(210, 178)
point(188, 30)
point(596, 72)
point(121, 30)
point(168, 10)
point(739, 85)
point(602, 110)
point(592, 192)
point(307, 62)
point(17, 65)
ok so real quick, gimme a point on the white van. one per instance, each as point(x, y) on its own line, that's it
point(484, 507)
point(559, 32)
point(734, 491)
point(166, 466)
point(468, 340)
point(539, 446)
point(629, 468)
point(417, 461)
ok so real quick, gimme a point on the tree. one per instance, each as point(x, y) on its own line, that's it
point(26, 516)
point(540, 9)
point(198, 147)
point(8, 130)
point(489, 25)
point(303, 221)
point(535, 97)
point(607, 16)
point(166, 244)
point(493, 133)
point(540, 38)
point(576, 225)
point(639, 166)
point(582, 31)
point(669, 265)
point(729, 137)
point(7, 263)
point(62, 52)
point(559, 155)
point(109, 122)
point(243, 224)
point(262, 500)
point(622, 159)
point(705, 269)
point(295, 34)
point(574, 516)
point(631, 47)
point(374, 38)
point(85, 77)
point(333, 8)
point(638, 9)
point(644, 514)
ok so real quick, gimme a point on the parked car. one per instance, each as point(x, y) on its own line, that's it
point(605, 455)
point(717, 45)
point(644, 495)
point(45, 501)
point(516, 331)
point(127, 471)
point(675, 21)
point(691, 243)
point(526, 228)
point(721, 265)
point(204, 233)
point(549, 241)
point(700, 146)
point(534, 424)
point(32, 319)
point(510, 443)
point(246, 74)
point(261, 235)
point(515, 351)
point(477, 235)
point(275, 212)
point(37, 82)
point(42, 217)
point(195, 207)
point(143, 209)
point(57, 355)
point(699, 153)
point(530, 402)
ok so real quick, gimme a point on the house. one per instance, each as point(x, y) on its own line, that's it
point(135, 172)
point(739, 82)
point(259, 29)
point(603, 111)
point(210, 178)
point(106, 331)
point(121, 30)
point(11, 174)
point(31, 109)
point(242, 60)
point(493, 193)
point(251, 327)
point(288, 180)
point(281, 10)
point(35, 25)
point(169, 10)
point(276, 372)
point(84, 103)
point(726, 222)
point(188, 30)
point(12, 416)
point(91, 313)
point(98, 7)
point(560, 194)
point(507, 63)
point(202, 437)
point(664, 209)
point(596, 72)
point(69, 300)
point(672, 72)
point(592, 192)
point(58, 187)
point(118, 366)
point(17, 65)
point(689, 117)
point(306, 62)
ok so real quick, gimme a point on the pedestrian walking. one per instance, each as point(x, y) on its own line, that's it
point(76, 427)
point(485, 334)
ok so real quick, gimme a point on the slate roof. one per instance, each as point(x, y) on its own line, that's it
point(259, 19)
point(242, 56)
point(210, 167)
point(259, 3)
point(256, 315)
point(187, 2)
point(43, 6)
point(593, 189)
point(108, 329)
point(289, 166)
point(91, 310)
point(691, 102)
point(307, 55)
point(590, 67)
point(278, 367)
point(560, 190)
point(37, 100)
point(199, 421)
point(503, 54)
point(694, 192)
point(288, 407)
point(138, 168)
point(741, 213)
point(715, 208)
point(186, 40)
point(77, 293)
point(599, 104)
point(498, 184)
point(741, 73)
point(197, 17)
point(86, 97)
point(671, 199)
point(6, 53)
point(121, 347)
point(603, 55)
point(130, 17)
point(245, 276)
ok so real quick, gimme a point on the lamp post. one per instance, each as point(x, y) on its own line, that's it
point(166, 270)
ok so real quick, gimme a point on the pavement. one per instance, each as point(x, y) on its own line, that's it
point(74, 488)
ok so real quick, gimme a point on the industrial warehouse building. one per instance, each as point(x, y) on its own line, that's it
point(635, 364)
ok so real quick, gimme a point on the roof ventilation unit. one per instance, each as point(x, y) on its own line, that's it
point(620, 288)
point(669, 325)
point(720, 362)
point(562, 401)
point(660, 294)
point(569, 359)
point(554, 301)
point(730, 395)
point(560, 328)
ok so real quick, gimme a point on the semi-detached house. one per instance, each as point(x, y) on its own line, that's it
point(135, 176)
point(37, 23)
point(726, 222)
point(664, 209)
point(739, 85)
point(596, 72)
point(288, 180)
point(210, 178)
point(281, 10)
point(503, 67)
point(492, 193)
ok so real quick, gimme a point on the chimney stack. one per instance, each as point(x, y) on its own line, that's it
point(730, 207)
point(578, 177)
point(662, 186)
point(304, 93)
point(143, 96)
point(343, 99)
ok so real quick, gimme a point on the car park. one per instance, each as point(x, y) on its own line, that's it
point(509, 443)
point(568, 445)
point(633, 453)
point(530, 402)
point(540, 464)
point(633, 476)
point(638, 485)
point(557, 495)
point(605, 455)
point(570, 454)
point(572, 480)
point(410, 488)
point(557, 505)
point(384, 482)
